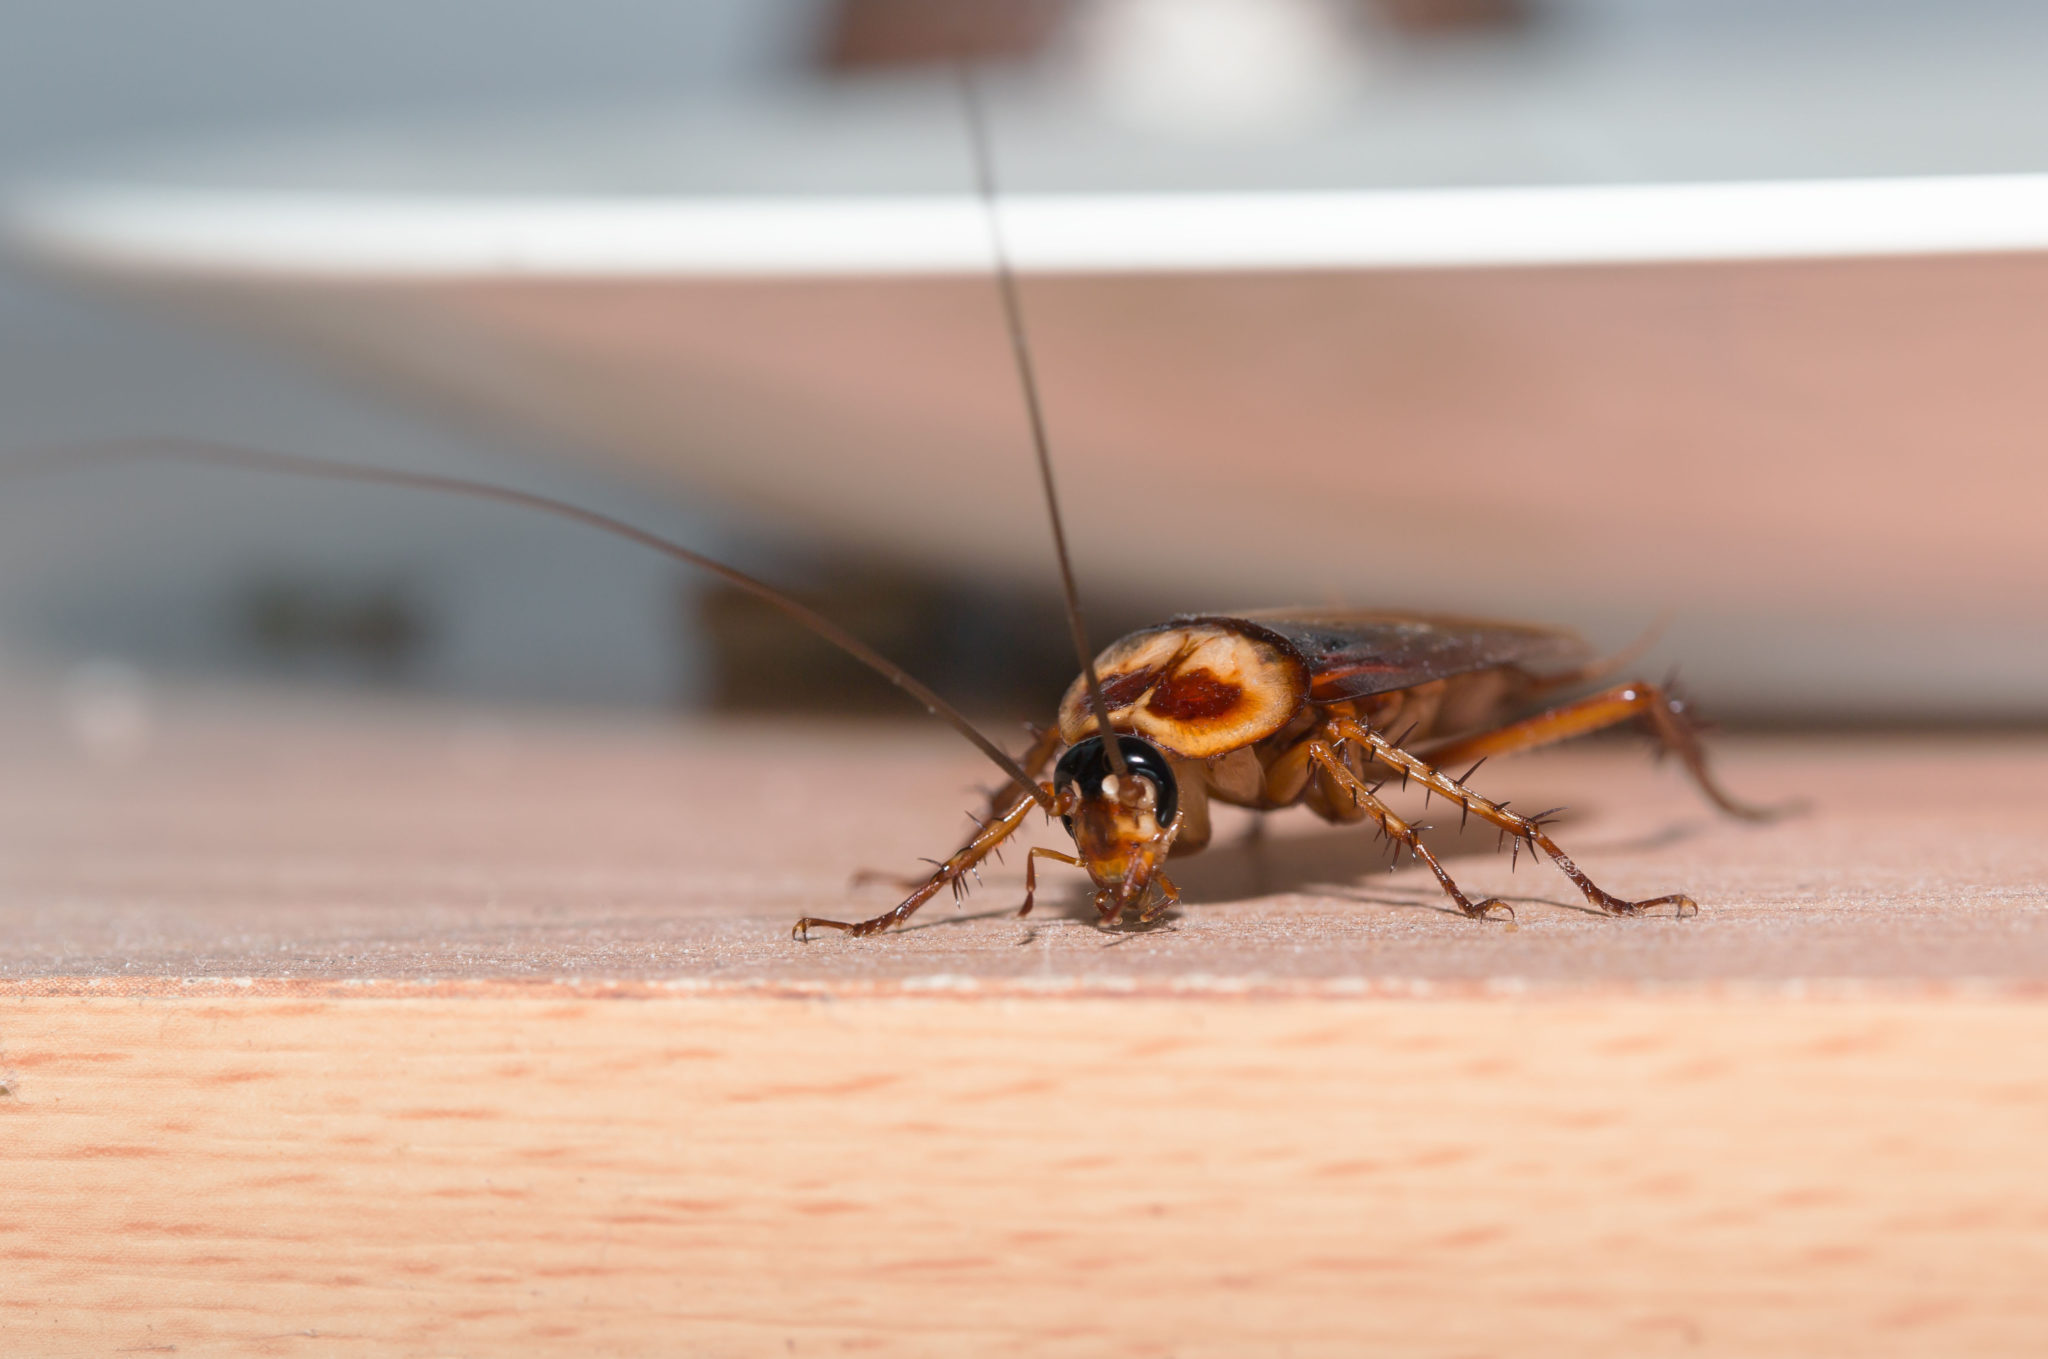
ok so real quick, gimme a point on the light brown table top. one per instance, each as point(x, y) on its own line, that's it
point(299, 842)
point(345, 1068)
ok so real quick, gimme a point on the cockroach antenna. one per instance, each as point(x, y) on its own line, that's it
point(1020, 347)
point(1282, 676)
point(218, 454)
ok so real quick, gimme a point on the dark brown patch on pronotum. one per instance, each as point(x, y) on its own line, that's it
point(1193, 695)
point(1121, 691)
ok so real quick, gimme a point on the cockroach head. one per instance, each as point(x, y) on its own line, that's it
point(1123, 824)
point(1147, 787)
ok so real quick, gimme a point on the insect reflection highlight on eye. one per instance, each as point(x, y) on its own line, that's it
point(1087, 765)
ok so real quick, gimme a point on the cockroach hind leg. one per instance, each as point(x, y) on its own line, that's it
point(1666, 714)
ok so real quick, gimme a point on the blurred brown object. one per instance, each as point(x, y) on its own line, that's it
point(1430, 17)
point(863, 34)
point(1000, 651)
point(870, 33)
point(379, 628)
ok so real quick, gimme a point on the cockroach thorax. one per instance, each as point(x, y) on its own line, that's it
point(1195, 689)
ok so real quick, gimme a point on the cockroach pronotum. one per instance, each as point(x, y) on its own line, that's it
point(1264, 710)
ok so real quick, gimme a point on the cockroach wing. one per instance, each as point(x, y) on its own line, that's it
point(1354, 654)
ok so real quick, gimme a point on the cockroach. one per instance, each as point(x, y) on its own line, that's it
point(1278, 708)
point(1263, 710)
point(1293, 707)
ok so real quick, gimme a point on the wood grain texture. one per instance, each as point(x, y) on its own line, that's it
point(425, 1032)
point(1081, 1177)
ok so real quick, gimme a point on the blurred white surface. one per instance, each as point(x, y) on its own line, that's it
point(1719, 313)
point(1219, 66)
point(342, 238)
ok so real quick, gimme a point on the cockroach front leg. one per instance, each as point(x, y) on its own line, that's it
point(948, 873)
point(1001, 802)
point(1110, 908)
point(1527, 829)
point(1324, 754)
point(1031, 874)
point(1660, 709)
point(1169, 897)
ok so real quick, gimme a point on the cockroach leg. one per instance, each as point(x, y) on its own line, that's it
point(950, 873)
point(1031, 873)
point(1044, 744)
point(1661, 710)
point(1001, 802)
point(1169, 897)
point(1523, 828)
point(1324, 753)
point(1601, 667)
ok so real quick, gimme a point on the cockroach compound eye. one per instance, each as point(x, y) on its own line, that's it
point(1086, 768)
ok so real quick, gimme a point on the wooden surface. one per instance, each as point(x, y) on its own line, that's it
point(1145, 1177)
point(420, 1031)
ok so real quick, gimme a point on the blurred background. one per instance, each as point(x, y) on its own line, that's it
point(629, 253)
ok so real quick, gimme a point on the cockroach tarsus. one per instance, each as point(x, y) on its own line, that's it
point(1262, 710)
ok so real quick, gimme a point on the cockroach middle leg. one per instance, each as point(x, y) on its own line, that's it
point(1661, 710)
point(1527, 829)
point(1045, 743)
point(1323, 752)
point(949, 873)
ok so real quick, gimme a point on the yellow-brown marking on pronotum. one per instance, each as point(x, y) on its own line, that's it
point(1193, 689)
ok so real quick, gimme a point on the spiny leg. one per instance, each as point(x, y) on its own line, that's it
point(1663, 711)
point(1324, 754)
point(949, 872)
point(1001, 801)
point(1521, 827)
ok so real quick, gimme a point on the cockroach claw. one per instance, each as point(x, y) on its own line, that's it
point(1684, 907)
